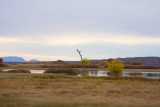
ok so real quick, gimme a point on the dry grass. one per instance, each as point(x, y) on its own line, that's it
point(51, 90)
point(135, 73)
point(153, 74)
point(70, 71)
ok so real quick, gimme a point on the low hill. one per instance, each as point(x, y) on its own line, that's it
point(144, 60)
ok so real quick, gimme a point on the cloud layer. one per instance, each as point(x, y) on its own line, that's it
point(101, 28)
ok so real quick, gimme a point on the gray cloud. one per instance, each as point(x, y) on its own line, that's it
point(36, 19)
point(57, 16)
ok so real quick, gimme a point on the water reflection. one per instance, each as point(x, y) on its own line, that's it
point(153, 75)
point(146, 74)
point(37, 71)
point(98, 73)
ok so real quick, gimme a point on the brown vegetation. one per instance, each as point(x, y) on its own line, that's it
point(18, 71)
point(142, 66)
point(69, 71)
point(17, 90)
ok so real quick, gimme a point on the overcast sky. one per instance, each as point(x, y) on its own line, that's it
point(54, 29)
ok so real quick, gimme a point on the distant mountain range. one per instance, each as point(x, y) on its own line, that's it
point(144, 60)
point(16, 59)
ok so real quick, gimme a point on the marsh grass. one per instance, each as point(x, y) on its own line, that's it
point(18, 71)
point(135, 73)
point(153, 74)
point(70, 71)
point(57, 90)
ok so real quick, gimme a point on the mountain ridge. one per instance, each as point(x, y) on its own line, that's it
point(16, 59)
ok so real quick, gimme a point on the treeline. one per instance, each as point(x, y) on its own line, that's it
point(3, 64)
point(142, 66)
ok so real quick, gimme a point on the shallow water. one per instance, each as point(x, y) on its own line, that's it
point(37, 71)
point(126, 73)
point(104, 73)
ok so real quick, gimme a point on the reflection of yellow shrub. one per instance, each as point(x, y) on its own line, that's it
point(116, 67)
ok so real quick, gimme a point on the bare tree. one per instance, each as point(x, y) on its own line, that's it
point(82, 61)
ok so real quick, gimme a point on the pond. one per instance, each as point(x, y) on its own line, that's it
point(144, 74)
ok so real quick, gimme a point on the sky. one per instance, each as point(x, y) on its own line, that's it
point(50, 30)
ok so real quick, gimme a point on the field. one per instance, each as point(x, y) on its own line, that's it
point(57, 90)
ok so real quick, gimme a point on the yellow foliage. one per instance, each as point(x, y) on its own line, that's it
point(116, 67)
point(85, 61)
point(105, 63)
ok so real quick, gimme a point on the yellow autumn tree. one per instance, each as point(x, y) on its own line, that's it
point(105, 63)
point(116, 67)
point(85, 61)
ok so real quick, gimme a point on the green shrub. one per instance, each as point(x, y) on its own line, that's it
point(18, 71)
point(69, 71)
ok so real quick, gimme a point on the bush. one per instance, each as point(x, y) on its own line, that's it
point(105, 63)
point(115, 67)
point(4, 65)
point(69, 71)
point(1, 60)
point(18, 71)
point(85, 61)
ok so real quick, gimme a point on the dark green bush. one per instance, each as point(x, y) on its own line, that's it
point(69, 71)
point(18, 71)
